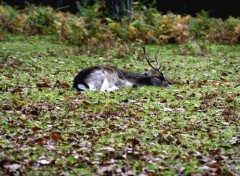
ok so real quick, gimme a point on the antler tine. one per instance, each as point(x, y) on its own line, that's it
point(156, 60)
point(145, 55)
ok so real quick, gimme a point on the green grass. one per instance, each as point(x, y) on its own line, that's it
point(191, 127)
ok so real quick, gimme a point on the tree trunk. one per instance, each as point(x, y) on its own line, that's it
point(119, 8)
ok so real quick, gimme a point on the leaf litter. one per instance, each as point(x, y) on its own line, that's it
point(192, 128)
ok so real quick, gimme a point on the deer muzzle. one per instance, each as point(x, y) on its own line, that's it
point(165, 84)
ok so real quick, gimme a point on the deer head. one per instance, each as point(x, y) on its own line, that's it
point(155, 73)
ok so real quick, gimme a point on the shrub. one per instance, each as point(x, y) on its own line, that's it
point(91, 28)
point(226, 32)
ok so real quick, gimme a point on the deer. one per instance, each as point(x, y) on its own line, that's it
point(110, 78)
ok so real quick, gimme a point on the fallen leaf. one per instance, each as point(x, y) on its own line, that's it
point(56, 136)
point(103, 170)
point(180, 109)
point(108, 149)
point(13, 167)
point(234, 140)
point(167, 109)
point(44, 162)
point(107, 105)
point(9, 75)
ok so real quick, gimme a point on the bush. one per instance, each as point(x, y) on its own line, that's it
point(93, 29)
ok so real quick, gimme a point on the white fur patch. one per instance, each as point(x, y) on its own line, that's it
point(105, 85)
point(92, 87)
point(112, 88)
point(82, 87)
point(129, 83)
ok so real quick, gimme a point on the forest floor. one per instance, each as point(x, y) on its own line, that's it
point(190, 128)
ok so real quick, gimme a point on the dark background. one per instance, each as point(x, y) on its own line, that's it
point(216, 8)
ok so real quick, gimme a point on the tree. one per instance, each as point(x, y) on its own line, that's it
point(119, 8)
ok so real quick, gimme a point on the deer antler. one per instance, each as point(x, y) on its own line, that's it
point(148, 60)
point(156, 60)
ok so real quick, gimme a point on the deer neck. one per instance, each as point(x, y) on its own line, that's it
point(135, 78)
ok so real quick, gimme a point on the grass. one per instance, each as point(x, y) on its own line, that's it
point(190, 128)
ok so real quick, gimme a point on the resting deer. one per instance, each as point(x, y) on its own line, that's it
point(104, 77)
